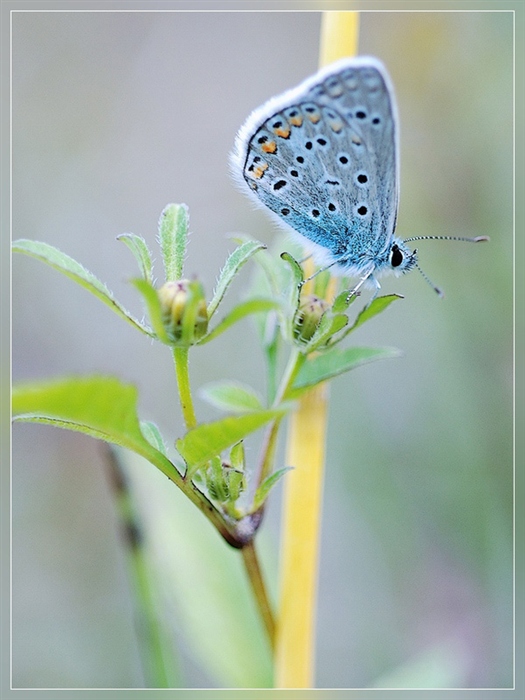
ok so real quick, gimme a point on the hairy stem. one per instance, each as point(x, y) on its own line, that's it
point(180, 357)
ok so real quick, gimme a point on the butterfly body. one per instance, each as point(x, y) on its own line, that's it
point(323, 157)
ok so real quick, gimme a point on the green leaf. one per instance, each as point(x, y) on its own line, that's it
point(173, 235)
point(268, 281)
point(206, 441)
point(264, 489)
point(153, 435)
point(375, 307)
point(237, 456)
point(334, 362)
point(294, 286)
point(216, 481)
point(274, 275)
point(100, 406)
point(71, 268)
point(343, 301)
point(191, 313)
point(328, 326)
point(233, 264)
point(152, 300)
point(236, 485)
point(252, 306)
point(271, 345)
point(140, 250)
point(231, 396)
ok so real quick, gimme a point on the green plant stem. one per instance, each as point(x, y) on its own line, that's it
point(268, 451)
point(265, 467)
point(227, 528)
point(160, 671)
point(180, 357)
point(295, 362)
point(251, 563)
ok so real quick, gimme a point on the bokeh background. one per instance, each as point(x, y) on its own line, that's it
point(117, 114)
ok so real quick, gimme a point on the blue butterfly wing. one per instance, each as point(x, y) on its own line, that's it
point(326, 164)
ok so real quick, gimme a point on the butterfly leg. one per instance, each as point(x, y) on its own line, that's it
point(317, 272)
point(376, 289)
point(355, 291)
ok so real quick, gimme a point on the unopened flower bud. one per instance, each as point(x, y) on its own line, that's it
point(184, 311)
point(308, 316)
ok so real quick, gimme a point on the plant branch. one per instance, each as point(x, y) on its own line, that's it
point(251, 563)
point(266, 461)
point(180, 357)
point(157, 655)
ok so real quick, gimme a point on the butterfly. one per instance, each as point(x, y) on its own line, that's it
point(323, 157)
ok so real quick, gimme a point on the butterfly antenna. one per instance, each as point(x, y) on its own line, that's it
point(476, 239)
point(438, 291)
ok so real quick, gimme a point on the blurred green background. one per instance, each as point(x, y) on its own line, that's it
point(115, 115)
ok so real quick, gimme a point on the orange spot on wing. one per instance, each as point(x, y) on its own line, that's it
point(269, 147)
point(259, 170)
point(283, 132)
point(296, 121)
point(336, 126)
point(314, 118)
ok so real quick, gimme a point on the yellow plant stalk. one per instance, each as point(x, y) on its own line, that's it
point(295, 634)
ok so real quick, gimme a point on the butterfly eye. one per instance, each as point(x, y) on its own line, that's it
point(396, 256)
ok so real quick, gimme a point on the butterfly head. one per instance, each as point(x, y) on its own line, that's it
point(401, 258)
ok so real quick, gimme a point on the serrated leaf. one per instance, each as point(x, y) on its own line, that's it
point(233, 264)
point(152, 301)
point(264, 489)
point(334, 362)
point(173, 235)
point(77, 272)
point(206, 441)
point(252, 306)
point(231, 396)
point(100, 406)
point(140, 250)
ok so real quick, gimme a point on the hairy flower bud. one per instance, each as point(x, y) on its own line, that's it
point(308, 316)
point(184, 311)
